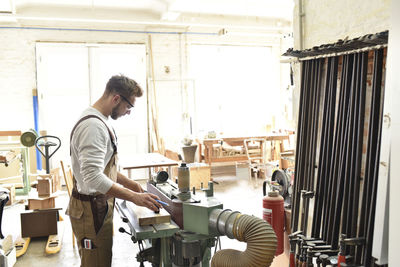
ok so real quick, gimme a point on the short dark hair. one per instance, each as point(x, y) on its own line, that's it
point(123, 85)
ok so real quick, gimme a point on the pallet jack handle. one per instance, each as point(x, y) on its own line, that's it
point(46, 145)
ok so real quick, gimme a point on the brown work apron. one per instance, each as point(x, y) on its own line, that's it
point(92, 217)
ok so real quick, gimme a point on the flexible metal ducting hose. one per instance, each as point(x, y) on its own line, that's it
point(257, 233)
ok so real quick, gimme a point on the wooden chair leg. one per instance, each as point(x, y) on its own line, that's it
point(73, 240)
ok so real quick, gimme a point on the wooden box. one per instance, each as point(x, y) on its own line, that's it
point(41, 203)
point(39, 223)
point(44, 187)
point(54, 176)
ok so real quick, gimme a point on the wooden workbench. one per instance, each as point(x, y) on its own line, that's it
point(209, 156)
point(148, 160)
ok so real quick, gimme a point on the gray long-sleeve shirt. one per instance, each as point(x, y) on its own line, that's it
point(91, 150)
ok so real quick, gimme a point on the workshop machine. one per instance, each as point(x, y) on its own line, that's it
point(197, 221)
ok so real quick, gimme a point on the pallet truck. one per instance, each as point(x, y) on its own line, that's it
point(54, 242)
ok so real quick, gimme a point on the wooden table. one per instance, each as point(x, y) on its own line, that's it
point(148, 160)
point(232, 141)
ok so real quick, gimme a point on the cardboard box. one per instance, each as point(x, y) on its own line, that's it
point(39, 223)
point(41, 203)
point(54, 176)
point(199, 173)
point(44, 187)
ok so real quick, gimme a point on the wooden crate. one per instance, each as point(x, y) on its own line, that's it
point(41, 203)
point(44, 187)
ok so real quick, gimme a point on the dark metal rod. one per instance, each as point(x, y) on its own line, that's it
point(373, 151)
point(305, 175)
point(359, 138)
point(319, 200)
point(329, 209)
point(313, 136)
point(297, 184)
point(339, 174)
point(328, 158)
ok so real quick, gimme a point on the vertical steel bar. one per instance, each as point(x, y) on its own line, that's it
point(319, 200)
point(358, 152)
point(300, 123)
point(373, 150)
point(330, 150)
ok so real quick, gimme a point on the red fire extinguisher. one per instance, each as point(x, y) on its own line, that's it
point(274, 214)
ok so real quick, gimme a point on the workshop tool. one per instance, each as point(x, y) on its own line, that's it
point(366, 227)
point(343, 256)
point(161, 177)
point(284, 180)
point(54, 241)
point(339, 142)
point(196, 223)
point(274, 214)
point(293, 237)
point(326, 143)
point(47, 144)
point(162, 202)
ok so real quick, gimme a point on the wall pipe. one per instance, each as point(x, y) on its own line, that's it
point(36, 121)
point(104, 30)
point(257, 233)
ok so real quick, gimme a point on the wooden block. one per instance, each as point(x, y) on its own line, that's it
point(44, 187)
point(11, 188)
point(41, 203)
point(198, 175)
point(144, 216)
point(56, 179)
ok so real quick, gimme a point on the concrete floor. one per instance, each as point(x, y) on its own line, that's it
point(236, 194)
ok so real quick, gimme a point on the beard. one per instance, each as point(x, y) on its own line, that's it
point(114, 112)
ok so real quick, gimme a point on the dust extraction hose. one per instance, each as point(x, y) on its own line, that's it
point(257, 233)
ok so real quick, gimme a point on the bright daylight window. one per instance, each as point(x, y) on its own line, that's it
point(237, 89)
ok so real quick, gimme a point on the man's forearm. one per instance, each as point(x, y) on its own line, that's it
point(121, 192)
point(128, 183)
point(142, 199)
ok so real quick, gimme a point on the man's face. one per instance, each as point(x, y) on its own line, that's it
point(123, 108)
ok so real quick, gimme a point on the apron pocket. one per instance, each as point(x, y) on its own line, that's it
point(75, 208)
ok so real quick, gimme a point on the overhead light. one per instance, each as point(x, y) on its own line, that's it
point(170, 16)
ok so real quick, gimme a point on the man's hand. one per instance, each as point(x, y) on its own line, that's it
point(147, 200)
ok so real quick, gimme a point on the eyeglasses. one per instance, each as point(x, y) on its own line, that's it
point(127, 101)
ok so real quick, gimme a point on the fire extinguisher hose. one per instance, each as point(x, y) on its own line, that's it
point(261, 244)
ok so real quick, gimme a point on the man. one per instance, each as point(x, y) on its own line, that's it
point(96, 179)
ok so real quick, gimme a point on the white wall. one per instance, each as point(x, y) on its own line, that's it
point(326, 21)
point(394, 87)
point(18, 70)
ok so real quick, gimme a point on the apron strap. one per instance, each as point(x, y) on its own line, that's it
point(112, 135)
